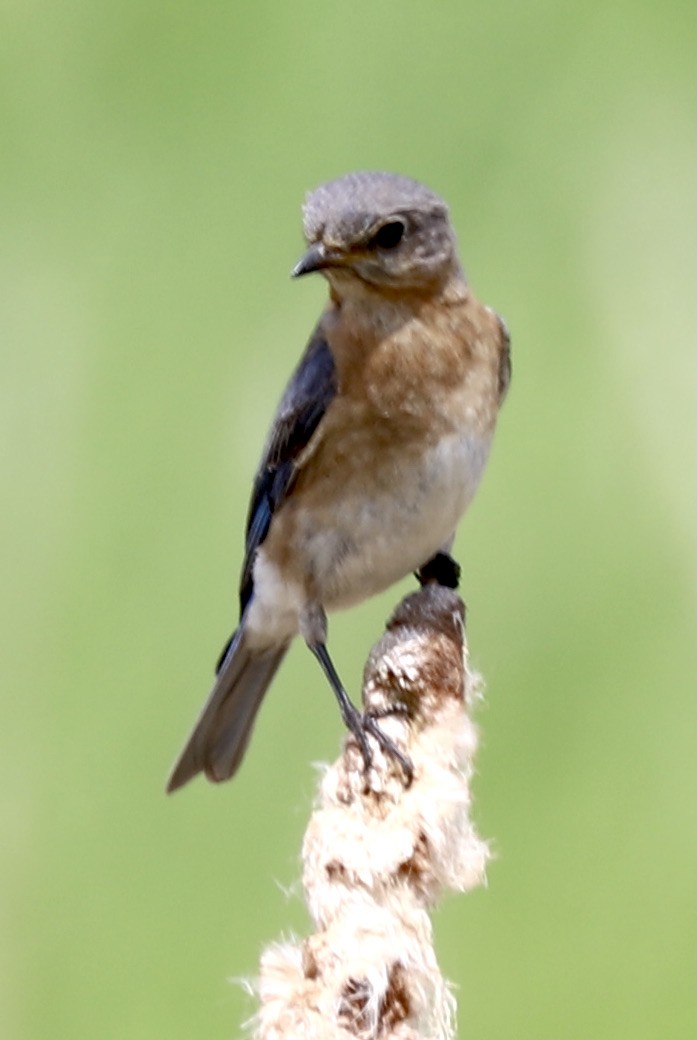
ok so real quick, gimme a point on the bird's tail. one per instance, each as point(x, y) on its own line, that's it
point(221, 734)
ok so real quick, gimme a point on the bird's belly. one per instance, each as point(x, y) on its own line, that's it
point(384, 524)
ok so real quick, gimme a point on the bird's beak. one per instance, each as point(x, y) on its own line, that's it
point(317, 258)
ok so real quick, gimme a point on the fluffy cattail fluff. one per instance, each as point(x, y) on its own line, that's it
point(379, 852)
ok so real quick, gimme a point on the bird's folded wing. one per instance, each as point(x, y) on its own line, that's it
point(307, 396)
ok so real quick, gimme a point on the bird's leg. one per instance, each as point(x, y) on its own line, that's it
point(361, 724)
point(349, 712)
point(441, 569)
point(313, 625)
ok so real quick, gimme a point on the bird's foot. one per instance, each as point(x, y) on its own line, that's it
point(366, 724)
point(442, 569)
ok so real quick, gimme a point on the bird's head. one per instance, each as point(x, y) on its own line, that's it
point(378, 230)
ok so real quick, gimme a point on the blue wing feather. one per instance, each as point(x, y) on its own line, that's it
point(307, 396)
point(222, 731)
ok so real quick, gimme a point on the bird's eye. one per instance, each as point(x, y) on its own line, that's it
point(389, 235)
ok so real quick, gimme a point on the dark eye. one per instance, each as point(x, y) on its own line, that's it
point(389, 235)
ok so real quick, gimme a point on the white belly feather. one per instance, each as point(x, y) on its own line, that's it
point(373, 540)
point(377, 540)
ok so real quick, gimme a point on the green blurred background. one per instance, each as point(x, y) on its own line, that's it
point(154, 159)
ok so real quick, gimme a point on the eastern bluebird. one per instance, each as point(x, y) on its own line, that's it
point(375, 452)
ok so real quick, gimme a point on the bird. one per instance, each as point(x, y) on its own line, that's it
point(374, 454)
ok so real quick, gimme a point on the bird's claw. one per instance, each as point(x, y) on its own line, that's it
point(366, 724)
point(442, 569)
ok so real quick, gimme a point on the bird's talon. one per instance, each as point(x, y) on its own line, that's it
point(442, 569)
point(398, 708)
point(366, 724)
point(387, 745)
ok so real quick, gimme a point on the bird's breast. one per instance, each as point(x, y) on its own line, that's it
point(400, 450)
point(368, 521)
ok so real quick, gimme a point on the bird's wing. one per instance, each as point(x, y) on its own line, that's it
point(307, 396)
point(504, 359)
